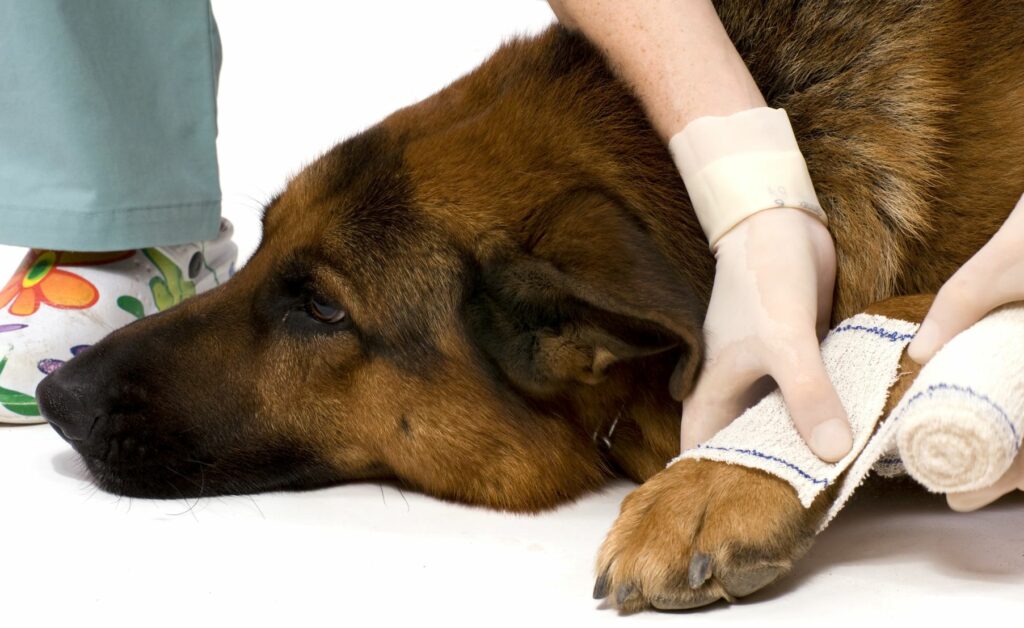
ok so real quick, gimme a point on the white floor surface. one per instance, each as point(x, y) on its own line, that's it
point(299, 76)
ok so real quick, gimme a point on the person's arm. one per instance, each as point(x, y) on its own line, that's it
point(994, 276)
point(775, 268)
point(674, 53)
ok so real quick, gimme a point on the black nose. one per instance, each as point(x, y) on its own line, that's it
point(65, 408)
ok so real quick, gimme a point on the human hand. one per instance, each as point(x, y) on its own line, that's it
point(770, 304)
point(993, 277)
point(973, 500)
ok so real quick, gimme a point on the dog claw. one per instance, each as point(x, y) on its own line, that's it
point(623, 593)
point(748, 581)
point(700, 570)
point(692, 600)
point(601, 585)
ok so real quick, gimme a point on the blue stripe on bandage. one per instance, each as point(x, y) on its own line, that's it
point(891, 460)
point(759, 454)
point(881, 332)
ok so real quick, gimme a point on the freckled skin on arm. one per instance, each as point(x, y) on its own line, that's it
point(674, 53)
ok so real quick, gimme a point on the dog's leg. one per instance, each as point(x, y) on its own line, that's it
point(701, 530)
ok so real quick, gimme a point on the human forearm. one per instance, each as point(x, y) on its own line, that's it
point(674, 53)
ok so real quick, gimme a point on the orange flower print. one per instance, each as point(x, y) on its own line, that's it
point(39, 280)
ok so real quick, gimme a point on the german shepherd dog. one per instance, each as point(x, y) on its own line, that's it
point(468, 296)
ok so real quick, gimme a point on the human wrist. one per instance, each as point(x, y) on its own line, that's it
point(737, 165)
point(779, 229)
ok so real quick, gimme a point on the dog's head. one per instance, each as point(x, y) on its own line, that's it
point(447, 298)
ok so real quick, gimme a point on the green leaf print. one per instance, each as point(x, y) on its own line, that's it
point(131, 305)
point(16, 402)
point(172, 288)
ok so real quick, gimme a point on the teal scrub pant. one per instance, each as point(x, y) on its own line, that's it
point(108, 123)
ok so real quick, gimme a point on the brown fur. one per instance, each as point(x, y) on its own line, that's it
point(524, 276)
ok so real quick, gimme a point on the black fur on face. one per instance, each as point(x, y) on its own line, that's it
point(163, 408)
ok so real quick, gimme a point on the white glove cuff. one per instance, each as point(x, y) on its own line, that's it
point(737, 165)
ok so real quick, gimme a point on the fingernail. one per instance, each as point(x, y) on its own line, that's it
point(973, 500)
point(923, 345)
point(966, 502)
point(831, 440)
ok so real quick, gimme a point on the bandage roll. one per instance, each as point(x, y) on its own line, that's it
point(960, 425)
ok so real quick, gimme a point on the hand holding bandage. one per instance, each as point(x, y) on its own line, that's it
point(774, 277)
point(993, 277)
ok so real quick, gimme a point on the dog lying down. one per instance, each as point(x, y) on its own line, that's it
point(495, 295)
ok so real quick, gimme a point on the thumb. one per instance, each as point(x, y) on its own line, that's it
point(957, 306)
point(814, 405)
point(720, 396)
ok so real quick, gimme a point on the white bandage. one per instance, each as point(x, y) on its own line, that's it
point(737, 165)
point(958, 427)
point(862, 357)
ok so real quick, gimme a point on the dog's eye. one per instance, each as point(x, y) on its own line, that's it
point(326, 313)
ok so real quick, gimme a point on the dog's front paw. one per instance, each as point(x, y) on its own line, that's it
point(701, 531)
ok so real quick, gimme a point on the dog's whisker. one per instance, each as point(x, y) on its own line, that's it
point(257, 204)
point(180, 494)
point(191, 508)
point(258, 509)
point(89, 489)
point(180, 475)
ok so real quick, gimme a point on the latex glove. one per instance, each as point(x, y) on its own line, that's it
point(973, 500)
point(993, 277)
point(770, 304)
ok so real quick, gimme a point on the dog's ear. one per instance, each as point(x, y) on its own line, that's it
point(587, 288)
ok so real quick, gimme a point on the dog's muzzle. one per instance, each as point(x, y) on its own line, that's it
point(67, 408)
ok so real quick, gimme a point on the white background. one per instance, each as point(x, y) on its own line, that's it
point(297, 77)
